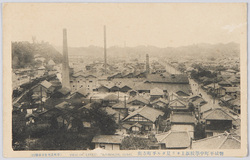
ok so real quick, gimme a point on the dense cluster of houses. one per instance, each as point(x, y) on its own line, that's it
point(158, 104)
point(25, 75)
point(225, 86)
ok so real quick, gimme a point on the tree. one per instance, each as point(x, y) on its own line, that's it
point(191, 107)
point(106, 123)
point(199, 131)
point(133, 142)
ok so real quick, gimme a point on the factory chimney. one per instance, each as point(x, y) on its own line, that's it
point(147, 64)
point(65, 65)
point(105, 51)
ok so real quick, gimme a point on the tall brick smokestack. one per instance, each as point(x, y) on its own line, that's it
point(65, 65)
point(147, 64)
point(105, 51)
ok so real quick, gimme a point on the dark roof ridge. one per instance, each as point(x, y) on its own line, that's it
point(213, 110)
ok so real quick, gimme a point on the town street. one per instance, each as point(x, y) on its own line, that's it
point(197, 90)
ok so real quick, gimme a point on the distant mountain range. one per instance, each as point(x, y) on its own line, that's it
point(197, 50)
point(23, 52)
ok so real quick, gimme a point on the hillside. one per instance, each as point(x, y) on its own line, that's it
point(197, 50)
point(23, 53)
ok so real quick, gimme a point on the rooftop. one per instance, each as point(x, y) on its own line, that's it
point(174, 139)
point(182, 118)
point(111, 139)
point(156, 92)
point(221, 141)
point(174, 78)
point(147, 112)
point(138, 98)
point(46, 84)
point(217, 114)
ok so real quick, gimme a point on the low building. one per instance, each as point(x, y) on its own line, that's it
point(40, 71)
point(183, 122)
point(61, 93)
point(221, 141)
point(174, 140)
point(43, 90)
point(108, 142)
point(179, 105)
point(110, 100)
point(138, 100)
point(233, 91)
point(147, 117)
point(156, 93)
point(217, 121)
point(82, 92)
point(122, 108)
point(160, 103)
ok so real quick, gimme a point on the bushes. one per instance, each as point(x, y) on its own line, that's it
point(132, 142)
point(62, 141)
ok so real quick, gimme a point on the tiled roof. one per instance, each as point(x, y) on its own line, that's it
point(205, 108)
point(226, 98)
point(138, 98)
point(221, 141)
point(175, 78)
point(64, 90)
point(111, 97)
point(62, 105)
point(160, 100)
point(146, 112)
point(212, 85)
point(126, 126)
point(156, 91)
point(232, 89)
point(182, 118)
point(87, 106)
point(181, 93)
point(110, 111)
point(111, 139)
point(170, 88)
point(82, 74)
point(178, 103)
point(217, 114)
point(225, 82)
point(235, 102)
point(51, 62)
point(82, 91)
point(234, 79)
point(46, 84)
point(174, 139)
point(120, 105)
point(198, 101)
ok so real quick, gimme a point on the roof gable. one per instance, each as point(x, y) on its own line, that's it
point(146, 112)
point(174, 139)
point(156, 91)
point(177, 103)
point(218, 114)
point(139, 99)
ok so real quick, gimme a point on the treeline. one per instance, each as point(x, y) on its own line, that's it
point(23, 54)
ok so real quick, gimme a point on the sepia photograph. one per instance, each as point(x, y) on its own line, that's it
point(125, 79)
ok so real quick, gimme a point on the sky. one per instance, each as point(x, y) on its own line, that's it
point(161, 25)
